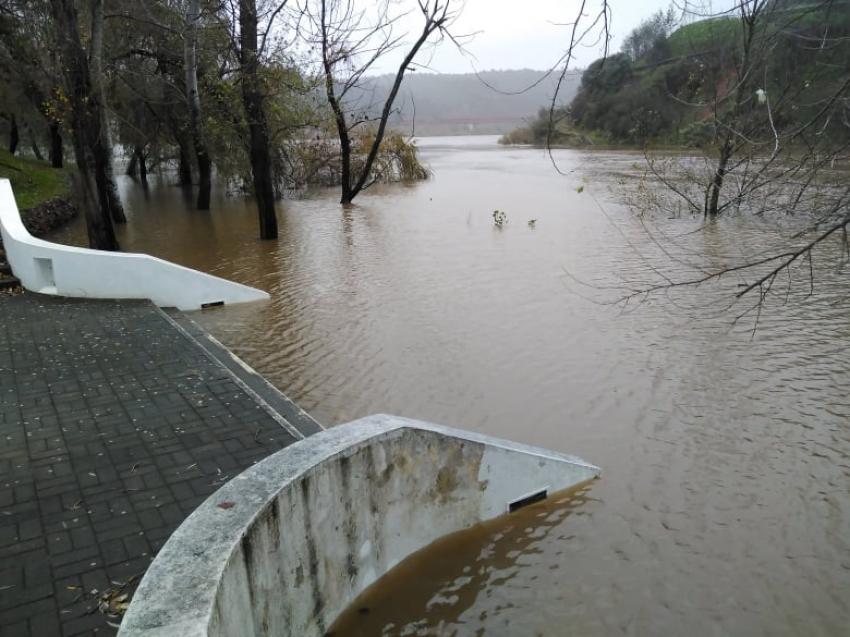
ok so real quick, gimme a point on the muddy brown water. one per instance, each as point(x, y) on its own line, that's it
point(724, 506)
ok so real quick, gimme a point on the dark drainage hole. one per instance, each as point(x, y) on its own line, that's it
point(204, 306)
point(537, 496)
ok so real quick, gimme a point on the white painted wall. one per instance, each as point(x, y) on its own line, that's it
point(282, 549)
point(50, 268)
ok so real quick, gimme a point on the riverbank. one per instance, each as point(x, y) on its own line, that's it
point(43, 193)
point(574, 139)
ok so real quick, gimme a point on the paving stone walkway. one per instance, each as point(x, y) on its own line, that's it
point(114, 425)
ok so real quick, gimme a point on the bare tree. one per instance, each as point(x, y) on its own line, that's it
point(756, 135)
point(774, 139)
point(351, 42)
point(778, 139)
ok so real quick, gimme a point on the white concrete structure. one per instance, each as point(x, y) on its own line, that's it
point(50, 268)
point(286, 546)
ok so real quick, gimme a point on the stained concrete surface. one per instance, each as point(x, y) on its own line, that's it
point(287, 545)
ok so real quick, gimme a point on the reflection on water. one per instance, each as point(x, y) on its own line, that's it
point(724, 506)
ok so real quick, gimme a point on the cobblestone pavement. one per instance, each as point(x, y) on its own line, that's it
point(114, 426)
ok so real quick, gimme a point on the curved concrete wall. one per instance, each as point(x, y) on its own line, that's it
point(50, 268)
point(284, 547)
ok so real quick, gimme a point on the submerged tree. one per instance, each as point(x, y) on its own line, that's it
point(764, 90)
point(86, 119)
point(193, 102)
point(770, 109)
point(778, 128)
point(351, 42)
point(149, 100)
point(258, 130)
point(103, 147)
point(757, 88)
point(249, 48)
point(777, 118)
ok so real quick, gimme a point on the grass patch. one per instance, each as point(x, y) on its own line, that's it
point(705, 35)
point(33, 181)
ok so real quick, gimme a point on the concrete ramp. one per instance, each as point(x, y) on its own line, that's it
point(50, 268)
point(286, 546)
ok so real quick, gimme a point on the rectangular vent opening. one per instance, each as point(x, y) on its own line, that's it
point(204, 306)
point(537, 496)
point(44, 270)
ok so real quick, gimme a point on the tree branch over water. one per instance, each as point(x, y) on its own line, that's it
point(768, 114)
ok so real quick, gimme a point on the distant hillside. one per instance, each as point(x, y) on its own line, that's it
point(462, 104)
point(664, 87)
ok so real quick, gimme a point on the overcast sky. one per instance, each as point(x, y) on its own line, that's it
point(515, 34)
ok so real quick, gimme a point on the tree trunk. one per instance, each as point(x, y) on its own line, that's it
point(177, 124)
point(56, 149)
point(184, 167)
point(253, 98)
point(103, 148)
point(132, 166)
point(14, 137)
point(116, 208)
point(435, 18)
point(345, 174)
point(34, 144)
point(339, 116)
point(743, 89)
point(193, 16)
point(204, 177)
point(139, 155)
point(85, 120)
point(713, 194)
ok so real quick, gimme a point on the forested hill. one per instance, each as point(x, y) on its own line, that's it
point(683, 85)
point(452, 104)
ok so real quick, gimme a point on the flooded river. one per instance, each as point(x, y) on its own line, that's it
point(724, 505)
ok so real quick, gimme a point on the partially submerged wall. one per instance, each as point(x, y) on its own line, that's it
point(284, 547)
point(50, 268)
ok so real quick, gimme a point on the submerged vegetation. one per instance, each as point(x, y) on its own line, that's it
point(264, 97)
point(759, 96)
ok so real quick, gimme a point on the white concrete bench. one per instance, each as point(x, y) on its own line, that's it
point(50, 268)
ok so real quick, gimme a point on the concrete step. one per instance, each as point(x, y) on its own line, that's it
point(5, 268)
